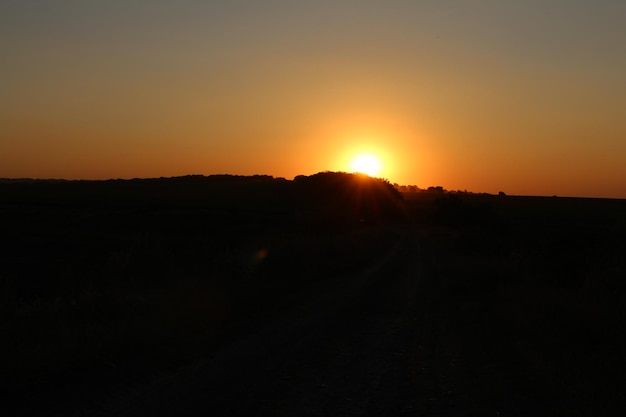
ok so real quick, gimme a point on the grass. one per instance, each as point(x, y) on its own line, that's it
point(132, 288)
point(149, 296)
point(554, 274)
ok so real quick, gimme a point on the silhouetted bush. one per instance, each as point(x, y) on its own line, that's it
point(341, 199)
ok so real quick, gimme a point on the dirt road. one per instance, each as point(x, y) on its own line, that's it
point(343, 351)
point(375, 344)
point(386, 340)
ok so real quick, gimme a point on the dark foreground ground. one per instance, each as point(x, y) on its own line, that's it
point(243, 297)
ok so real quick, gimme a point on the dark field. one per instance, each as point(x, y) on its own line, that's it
point(326, 295)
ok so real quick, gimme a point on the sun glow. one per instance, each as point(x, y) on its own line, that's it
point(366, 164)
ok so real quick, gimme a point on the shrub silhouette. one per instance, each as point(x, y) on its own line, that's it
point(343, 198)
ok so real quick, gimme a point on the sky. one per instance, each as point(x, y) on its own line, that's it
point(526, 97)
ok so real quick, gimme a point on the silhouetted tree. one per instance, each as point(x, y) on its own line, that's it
point(437, 189)
point(343, 198)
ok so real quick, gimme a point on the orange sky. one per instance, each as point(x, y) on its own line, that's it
point(524, 97)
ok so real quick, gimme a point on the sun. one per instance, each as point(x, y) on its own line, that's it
point(366, 164)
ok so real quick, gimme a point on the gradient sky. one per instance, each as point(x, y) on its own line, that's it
point(527, 97)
